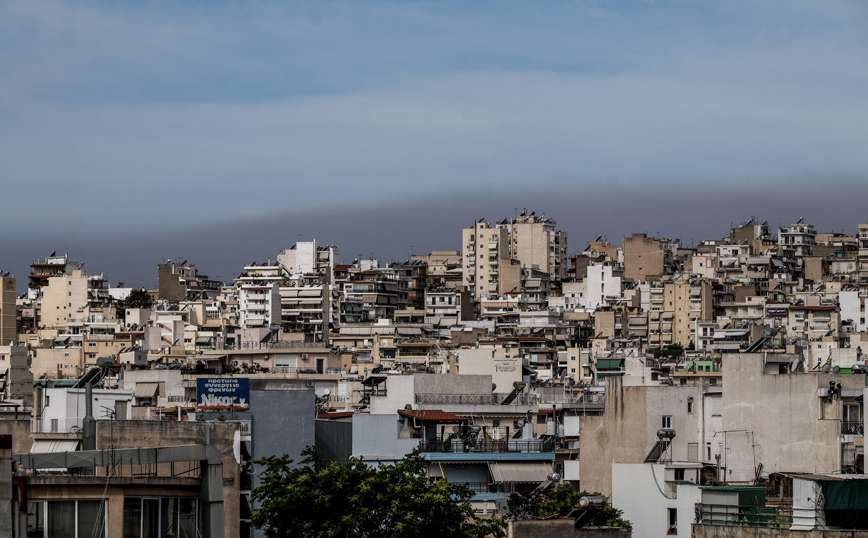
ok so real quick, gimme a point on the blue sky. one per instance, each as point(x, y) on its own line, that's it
point(135, 117)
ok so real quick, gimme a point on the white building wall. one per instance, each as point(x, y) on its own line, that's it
point(852, 308)
point(600, 284)
point(399, 392)
point(646, 498)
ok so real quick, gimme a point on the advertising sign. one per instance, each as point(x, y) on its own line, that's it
point(214, 393)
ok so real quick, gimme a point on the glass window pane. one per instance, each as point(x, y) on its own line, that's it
point(187, 512)
point(36, 519)
point(61, 519)
point(91, 519)
point(132, 517)
point(169, 517)
point(150, 518)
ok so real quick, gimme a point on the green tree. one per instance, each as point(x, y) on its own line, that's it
point(355, 499)
point(558, 502)
point(138, 298)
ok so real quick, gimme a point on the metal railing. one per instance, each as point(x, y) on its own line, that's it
point(56, 425)
point(475, 399)
point(780, 517)
point(853, 427)
point(461, 446)
point(303, 370)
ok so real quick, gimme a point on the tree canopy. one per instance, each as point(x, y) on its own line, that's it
point(558, 502)
point(357, 499)
point(138, 298)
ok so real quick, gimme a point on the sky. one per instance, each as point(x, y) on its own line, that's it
point(222, 132)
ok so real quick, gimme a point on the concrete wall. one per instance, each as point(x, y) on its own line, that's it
point(399, 392)
point(20, 432)
point(152, 433)
point(709, 531)
point(375, 437)
point(504, 371)
point(793, 429)
point(644, 504)
point(561, 528)
point(617, 436)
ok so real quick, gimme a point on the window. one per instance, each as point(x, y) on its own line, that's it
point(66, 519)
point(679, 473)
point(672, 528)
point(667, 421)
point(692, 451)
point(716, 402)
point(707, 451)
point(160, 517)
point(689, 405)
point(540, 419)
point(683, 381)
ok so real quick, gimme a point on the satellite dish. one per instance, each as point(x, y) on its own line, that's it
point(327, 393)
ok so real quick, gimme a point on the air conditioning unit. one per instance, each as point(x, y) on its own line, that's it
point(308, 383)
point(304, 356)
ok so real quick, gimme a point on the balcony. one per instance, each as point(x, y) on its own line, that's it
point(744, 516)
point(474, 399)
point(853, 427)
point(454, 445)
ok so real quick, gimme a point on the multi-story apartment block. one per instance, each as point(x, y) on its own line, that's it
point(536, 244)
point(447, 306)
point(603, 282)
point(441, 265)
point(42, 270)
point(797, 241)
point(74, 296)
point(376, 289)
point(863, 255)
point(646, 257)
point(8, 322)
point(306, 257)
point(485, 250)
point(412, 281)
point(259, 306)
point(180, 281)
point(751, 233)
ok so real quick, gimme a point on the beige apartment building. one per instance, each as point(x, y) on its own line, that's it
point(8, 328)
point(485, 252)
point(537, 245)
point(646, 257)
point(863, 254)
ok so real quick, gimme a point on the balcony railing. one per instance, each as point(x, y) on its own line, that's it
point(853, 427)
point(475, 399)
point(779, 517)
point(460, 446)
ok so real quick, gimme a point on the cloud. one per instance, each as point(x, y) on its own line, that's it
point(163, 116)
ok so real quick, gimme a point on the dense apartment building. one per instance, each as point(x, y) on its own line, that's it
point(8, 321)
point(537, 245)
point(647, 257)
point(180, 281)
point(485, 252)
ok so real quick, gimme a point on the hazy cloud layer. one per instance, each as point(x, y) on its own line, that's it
point(129, 129)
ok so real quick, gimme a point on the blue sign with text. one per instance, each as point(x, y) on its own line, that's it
point(222, 393)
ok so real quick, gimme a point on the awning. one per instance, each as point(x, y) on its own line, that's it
point(47, 446)
point(536, 471)
point(146, 390)
point(203, 339)
point(609, 364)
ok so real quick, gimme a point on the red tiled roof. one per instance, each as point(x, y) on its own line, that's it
point(432, 415)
